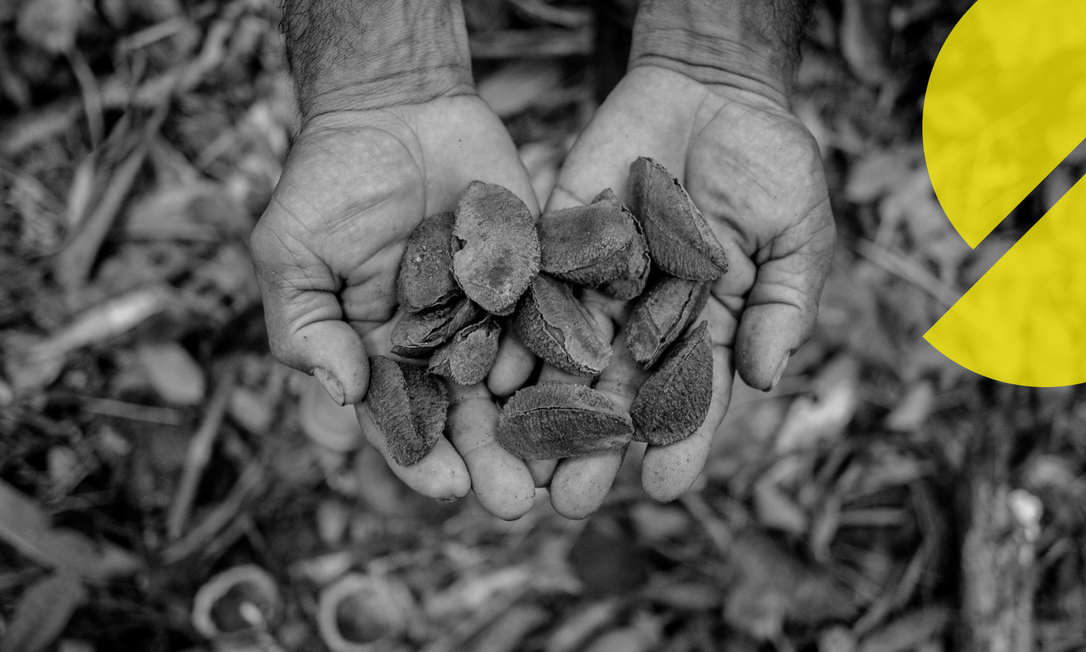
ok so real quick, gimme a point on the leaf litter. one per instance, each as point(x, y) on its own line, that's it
point(140, 140)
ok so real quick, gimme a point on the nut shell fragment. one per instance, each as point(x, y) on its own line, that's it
point(556, 327)
point(680, 240)
point(409, 406)
point(426, 279)
point(557, 420)
point(417, 334)
point(671, 405)
point(661, 315)
point(466, 359)
point(600, 244)
point(499, 247)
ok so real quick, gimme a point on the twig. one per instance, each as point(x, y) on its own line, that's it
point(225, 515)
point(132, 411)
point(718, 532)
point(74, 264)
point(92, 97)
point(543, 42)
point(198, 455)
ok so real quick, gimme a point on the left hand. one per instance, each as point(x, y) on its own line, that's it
point(756, 174)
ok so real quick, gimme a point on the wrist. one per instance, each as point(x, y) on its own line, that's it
point(747, 44)
point(351, 55)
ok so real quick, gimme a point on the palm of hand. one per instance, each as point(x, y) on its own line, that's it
point(756, 175)
point(328, 248)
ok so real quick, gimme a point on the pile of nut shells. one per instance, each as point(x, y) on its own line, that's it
point(466, 275)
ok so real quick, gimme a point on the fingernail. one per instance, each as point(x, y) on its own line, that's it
point(450, 499)
point(780, 372)
point(331, 385)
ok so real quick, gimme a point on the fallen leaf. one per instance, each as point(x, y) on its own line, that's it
point(43, 612)
point(173, 373)
point(516, 86)
point(907, 632)
point(823, 415)
point(26, 528)
point(50, 24)
point(774, 588)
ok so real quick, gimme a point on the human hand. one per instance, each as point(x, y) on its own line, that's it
point(756, 174)
point(327, 253)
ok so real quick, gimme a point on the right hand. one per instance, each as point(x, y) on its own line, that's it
point(327, 252)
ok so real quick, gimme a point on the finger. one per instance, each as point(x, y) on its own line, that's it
point(782, 306)
point(441, 473)
point(513, 365)
point(669, 471)
point(305, 323)
point(501, 481)
point(542, 470)
point(580, 485)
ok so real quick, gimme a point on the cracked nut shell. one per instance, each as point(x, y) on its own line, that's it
point(409, 406)
point(558, 420)
point(680, 241)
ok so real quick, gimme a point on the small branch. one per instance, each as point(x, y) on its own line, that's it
point(198, 455)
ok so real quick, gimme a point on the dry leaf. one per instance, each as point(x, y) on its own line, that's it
point(25, 527)
point(51, 24)
point(43, 612)
point(518, 84)
point(173, 373)
point(823, 415)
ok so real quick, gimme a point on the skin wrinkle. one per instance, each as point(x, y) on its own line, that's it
point(374, 53)
point(750, 44)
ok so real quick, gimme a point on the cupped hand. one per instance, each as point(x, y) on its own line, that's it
point(756, 174)
point(327, 252)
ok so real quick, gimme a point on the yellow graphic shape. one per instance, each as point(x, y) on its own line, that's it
point(1006, 103)
point(1024, 322)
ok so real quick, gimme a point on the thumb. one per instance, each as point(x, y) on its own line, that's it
point(780, 311)
point(305, 323)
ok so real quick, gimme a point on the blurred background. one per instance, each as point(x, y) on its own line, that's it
point(157, 493)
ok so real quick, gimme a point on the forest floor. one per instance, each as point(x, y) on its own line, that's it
point(881, 499)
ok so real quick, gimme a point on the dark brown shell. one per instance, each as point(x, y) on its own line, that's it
point(680, 241)
point(671, 405)
point(557, 420)
point(409, 406)
point(661, 315)
point(595, 245)
point(426, 279)
point(556, 327)
point(418, 334)
point(466, 359)
point(498, 247)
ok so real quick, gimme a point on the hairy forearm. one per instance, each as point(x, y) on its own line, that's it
point(748, 43)
point(365, 54)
